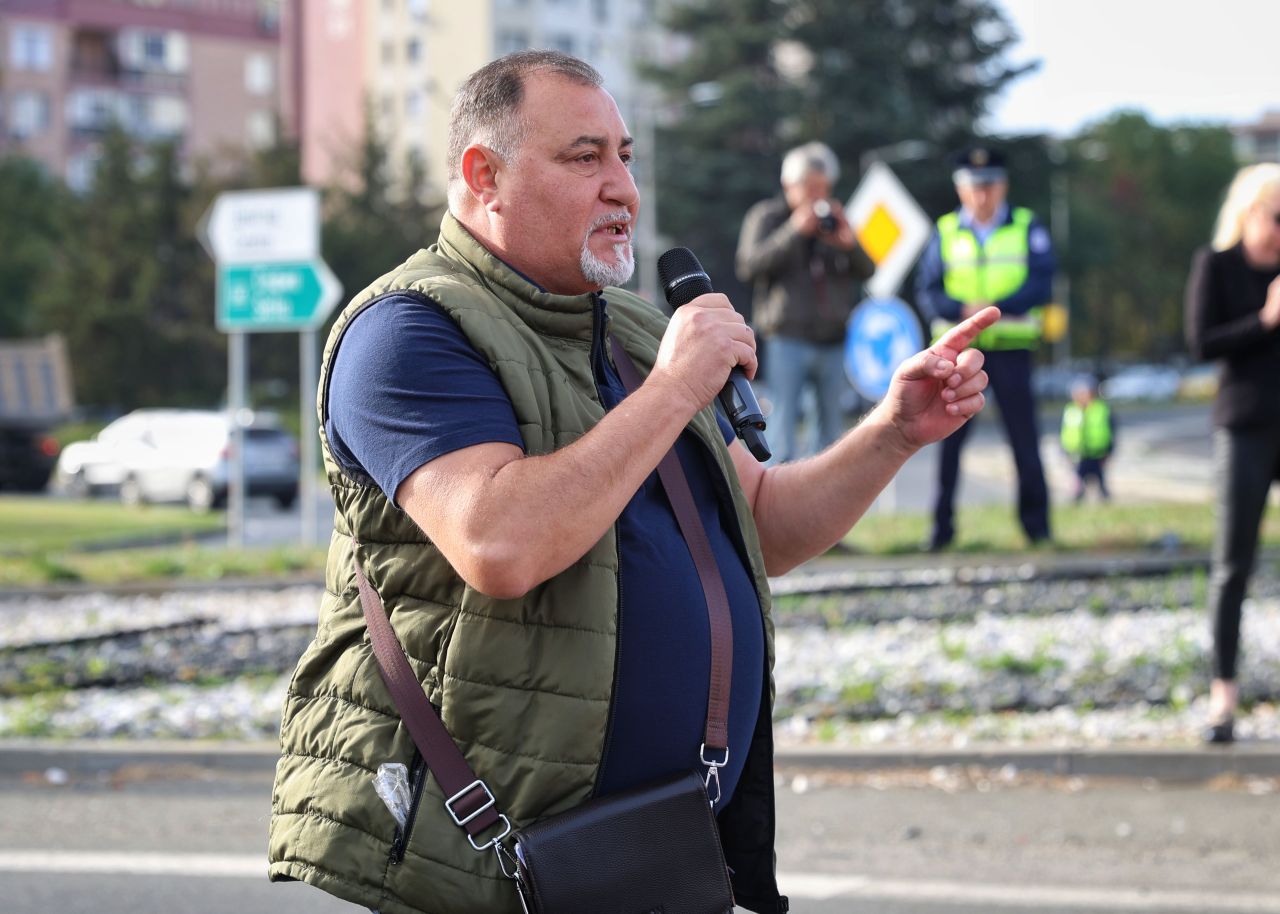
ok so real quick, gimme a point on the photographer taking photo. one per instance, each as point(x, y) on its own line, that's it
point(801, 254)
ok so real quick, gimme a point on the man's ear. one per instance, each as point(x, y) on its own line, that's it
point(480, 168)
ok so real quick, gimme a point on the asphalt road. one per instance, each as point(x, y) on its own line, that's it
point(160, 838)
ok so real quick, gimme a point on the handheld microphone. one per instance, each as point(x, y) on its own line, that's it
point(683, 280)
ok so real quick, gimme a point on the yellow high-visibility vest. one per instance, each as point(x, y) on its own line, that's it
point(1086, 432)
point(988, 272)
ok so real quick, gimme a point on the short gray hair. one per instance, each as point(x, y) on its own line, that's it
point(487, 107)
point(813, 156)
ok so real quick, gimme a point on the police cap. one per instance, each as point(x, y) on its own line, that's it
point(978, 165)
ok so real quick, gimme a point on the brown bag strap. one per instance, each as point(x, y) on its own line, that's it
point(676, 484)
point(469, 800)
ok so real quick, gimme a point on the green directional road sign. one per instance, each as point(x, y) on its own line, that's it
point(261, 297)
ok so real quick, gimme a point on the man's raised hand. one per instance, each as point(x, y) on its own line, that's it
point(940, 388)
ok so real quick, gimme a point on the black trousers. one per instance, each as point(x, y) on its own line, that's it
point(1246, 462)
point(1091, 468)
point(1009, 374)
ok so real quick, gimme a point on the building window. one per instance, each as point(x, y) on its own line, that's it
point(413, 103)
point(92, 109)
point(259, 129)
point(167, 115)
point(81, 168)
point(31, 48)
point(258, 76)
point(413, 50)
point(510, 40)
point(28, 114)
point(153, 51)
point(418, 8)
point(388, 52)
point(561, 42)
point(601, 8)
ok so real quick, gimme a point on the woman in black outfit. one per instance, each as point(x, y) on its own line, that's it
point(1232, 314)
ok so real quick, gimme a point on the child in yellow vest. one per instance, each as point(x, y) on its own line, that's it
point(1088, 435)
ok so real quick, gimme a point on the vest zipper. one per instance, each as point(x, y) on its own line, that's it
point(617, 667)
point(599, 355)
point(419, 780)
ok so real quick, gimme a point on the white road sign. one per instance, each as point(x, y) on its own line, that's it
point(263, 226)
point(891, 227)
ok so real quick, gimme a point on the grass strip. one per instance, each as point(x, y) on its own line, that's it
point(1090, 527)
point(33, 525)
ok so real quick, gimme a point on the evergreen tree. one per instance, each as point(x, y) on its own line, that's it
point(130, 290)
point(372, 221)
point(1143, 198)
point(32, 223)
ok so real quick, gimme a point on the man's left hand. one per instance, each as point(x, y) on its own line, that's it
point(939, 389)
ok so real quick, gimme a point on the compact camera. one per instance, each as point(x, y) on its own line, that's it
point(826, 220)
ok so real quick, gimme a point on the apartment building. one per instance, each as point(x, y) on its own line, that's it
point(400, 62)
point(201, 72)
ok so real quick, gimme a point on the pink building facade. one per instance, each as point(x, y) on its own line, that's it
point(324, 85)
point(203, 73)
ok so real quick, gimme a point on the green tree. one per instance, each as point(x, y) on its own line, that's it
point(857, 76)
point(1143, 198)
point(131, 289)
point(33, 210)
point(372, 220)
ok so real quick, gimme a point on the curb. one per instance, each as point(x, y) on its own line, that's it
point(1174, 765)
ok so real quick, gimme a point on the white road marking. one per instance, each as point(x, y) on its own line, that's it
point(135, 863)
point(804, 886)
point(818, 887)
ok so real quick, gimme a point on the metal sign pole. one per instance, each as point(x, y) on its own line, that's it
point(237, 377)
point(309, 367)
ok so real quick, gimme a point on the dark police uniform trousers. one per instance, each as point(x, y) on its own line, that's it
point(1009, 373)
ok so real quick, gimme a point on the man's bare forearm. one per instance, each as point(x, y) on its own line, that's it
point(802, 508)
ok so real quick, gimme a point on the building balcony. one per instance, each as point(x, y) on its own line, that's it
point(121, 78)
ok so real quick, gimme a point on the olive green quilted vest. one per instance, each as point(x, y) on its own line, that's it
point(523, 685)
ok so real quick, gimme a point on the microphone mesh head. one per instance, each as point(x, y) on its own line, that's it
point(676, 265)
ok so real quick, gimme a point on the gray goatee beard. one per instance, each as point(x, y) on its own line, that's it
point(598, 272)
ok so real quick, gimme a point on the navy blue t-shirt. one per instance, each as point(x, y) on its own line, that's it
point(407, 387)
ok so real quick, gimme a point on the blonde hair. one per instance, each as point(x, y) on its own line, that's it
point(1251, 184)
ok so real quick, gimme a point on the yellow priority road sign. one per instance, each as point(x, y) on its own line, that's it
point(890, 225)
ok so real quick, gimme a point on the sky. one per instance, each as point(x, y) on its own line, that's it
point(1177, 60)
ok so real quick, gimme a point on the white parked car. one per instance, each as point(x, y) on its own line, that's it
point(179, 455)
point(1142, 382)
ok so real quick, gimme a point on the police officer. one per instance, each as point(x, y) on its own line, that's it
point(988, 253)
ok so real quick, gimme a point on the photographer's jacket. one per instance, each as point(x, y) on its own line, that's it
point(804, 289)
point(524, 685)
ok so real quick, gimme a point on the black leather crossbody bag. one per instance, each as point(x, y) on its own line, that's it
point(654, 849)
